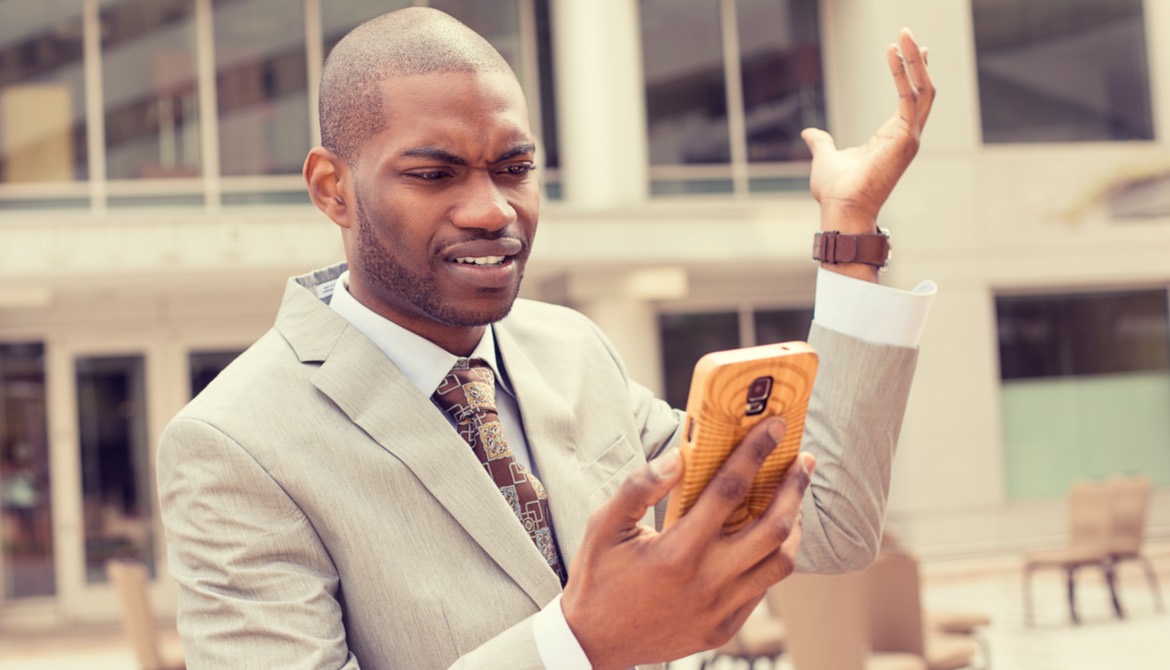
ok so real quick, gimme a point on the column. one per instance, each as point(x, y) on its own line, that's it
point(600, 102)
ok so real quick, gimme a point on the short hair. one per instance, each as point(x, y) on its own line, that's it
point(411, 41)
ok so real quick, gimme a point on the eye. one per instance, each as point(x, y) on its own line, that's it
point(429, 175)
point(519, 169)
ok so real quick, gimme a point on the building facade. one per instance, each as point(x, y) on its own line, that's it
point(151, 209)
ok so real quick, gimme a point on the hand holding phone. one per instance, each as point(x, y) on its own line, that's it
point(731, 391)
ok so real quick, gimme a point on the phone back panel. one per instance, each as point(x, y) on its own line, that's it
point(718, 419)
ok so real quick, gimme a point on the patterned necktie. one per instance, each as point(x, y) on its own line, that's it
point(468, 394)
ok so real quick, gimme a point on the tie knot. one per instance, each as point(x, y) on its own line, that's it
point(470, 387)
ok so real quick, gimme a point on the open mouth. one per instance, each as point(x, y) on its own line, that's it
point(482, 260)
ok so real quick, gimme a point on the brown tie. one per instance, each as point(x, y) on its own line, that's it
point(468, 394)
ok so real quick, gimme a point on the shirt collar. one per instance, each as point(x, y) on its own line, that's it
point(423, 362)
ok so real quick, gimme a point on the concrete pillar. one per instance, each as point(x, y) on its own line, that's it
point(632, 326)
point(600, 102)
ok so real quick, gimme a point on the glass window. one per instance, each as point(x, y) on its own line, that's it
point(26, 536)
point(1086, 388)
point(116, 481)
point(782, 325)
point(783, 91)
point(1058, 71)
point(261, 81)
point(1082, 334)
point(686, 97)
point(149, 88)
point(206, 365)
point(42, 92)
point(685, 338)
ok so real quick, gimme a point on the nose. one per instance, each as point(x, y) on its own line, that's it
point(483, 204)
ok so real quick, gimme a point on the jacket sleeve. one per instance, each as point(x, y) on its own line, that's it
point(855, 417)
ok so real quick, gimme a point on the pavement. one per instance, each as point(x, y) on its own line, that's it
point(990, 584)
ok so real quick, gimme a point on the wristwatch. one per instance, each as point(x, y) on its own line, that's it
point(836, 247)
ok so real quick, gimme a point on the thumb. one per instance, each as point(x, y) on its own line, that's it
point(817, 140)
point(641, 490)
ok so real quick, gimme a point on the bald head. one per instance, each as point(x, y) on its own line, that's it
point(412, 41)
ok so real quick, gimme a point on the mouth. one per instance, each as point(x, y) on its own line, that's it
point(482, 260)
point(486, 265)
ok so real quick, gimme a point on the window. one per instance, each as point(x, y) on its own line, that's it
point(235, 133)
point(149, 89)
point(43, 131)
point(1086, 388)
point(729, 87)
point(1058, 71)
point(686, 337)
point(206, 365)
point(261, 83)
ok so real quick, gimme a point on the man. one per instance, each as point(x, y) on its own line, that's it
point(322, 505)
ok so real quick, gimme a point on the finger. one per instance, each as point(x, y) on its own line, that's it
point(907, 95)
point(641, 490)
point(733, 622)
point(730, 485)
point(782, 517)
point(768, 572)
point(915, 60)
point(817, 140)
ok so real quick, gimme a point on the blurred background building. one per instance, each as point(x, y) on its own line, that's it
point(151, 208)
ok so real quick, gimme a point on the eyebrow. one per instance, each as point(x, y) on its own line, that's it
point(444, 156)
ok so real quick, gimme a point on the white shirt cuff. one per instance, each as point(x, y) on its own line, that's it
point(555, 642)
point(872, 312)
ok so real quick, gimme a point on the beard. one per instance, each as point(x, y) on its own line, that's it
point(396, 283)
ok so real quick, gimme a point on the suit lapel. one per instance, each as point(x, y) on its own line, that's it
point(376, 396)
point(549, 426)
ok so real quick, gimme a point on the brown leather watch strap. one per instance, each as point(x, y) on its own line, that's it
point(836, 247)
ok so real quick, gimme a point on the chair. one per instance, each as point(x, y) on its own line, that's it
point(154, 650)
point(828, 624)
point(1130, 499)
point(1089, 536)
point(956, 622)
point(896, 618)
point(763, 636)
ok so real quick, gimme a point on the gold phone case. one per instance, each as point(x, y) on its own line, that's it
point(726, 399)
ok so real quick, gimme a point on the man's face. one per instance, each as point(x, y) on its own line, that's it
point(446, 204)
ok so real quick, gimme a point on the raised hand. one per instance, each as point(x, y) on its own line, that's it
point(852, 184)
point(639, 596)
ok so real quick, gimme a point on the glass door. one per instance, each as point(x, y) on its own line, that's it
point(107, 403)
point(115, 461)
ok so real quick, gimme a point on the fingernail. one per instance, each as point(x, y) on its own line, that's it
point(665, 465)
point(776, 430)
point(810, 464)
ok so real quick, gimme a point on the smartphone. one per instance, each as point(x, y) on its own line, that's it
point(731, 391)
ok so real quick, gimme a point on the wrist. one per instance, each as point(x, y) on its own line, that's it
point(857, 255)
point(601, 655)
point(848, 218)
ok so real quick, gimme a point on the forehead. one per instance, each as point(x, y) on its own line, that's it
point(470, 113)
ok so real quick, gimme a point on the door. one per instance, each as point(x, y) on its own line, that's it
point(103, 464)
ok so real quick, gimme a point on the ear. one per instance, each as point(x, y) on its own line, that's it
point(327, 178)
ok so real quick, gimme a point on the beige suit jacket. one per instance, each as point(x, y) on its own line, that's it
point(321, 513)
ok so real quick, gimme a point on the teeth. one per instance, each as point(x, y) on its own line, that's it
point(481, 260)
